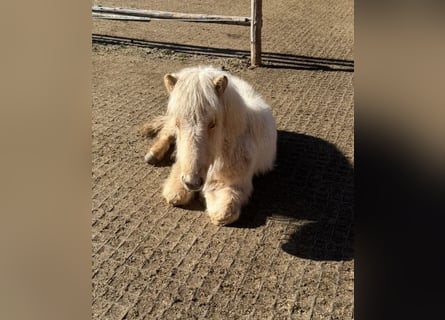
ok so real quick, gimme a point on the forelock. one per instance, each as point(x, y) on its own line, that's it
point(194, 95)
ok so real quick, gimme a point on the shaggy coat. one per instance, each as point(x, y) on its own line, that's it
point(225, 134)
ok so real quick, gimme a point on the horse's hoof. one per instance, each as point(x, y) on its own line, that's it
point(225, 220)
point(218, 223)
point(178, 199)
point(150, 158)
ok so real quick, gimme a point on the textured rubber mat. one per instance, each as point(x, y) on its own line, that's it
point(290, 256)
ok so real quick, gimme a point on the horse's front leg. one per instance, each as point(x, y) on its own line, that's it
point(224, 204)
point(174, 192)
point(164, 139)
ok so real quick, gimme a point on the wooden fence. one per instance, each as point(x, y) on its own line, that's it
point(254, 21)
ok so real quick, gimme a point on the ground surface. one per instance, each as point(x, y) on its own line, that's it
point(291, 254)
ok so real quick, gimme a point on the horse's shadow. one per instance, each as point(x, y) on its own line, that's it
point(311, 188)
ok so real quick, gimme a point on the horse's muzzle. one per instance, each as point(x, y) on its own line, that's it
point(194, 183)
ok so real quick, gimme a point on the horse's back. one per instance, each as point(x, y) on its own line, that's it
point(266, 142)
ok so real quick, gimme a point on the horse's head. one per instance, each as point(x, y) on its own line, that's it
point(195, 106)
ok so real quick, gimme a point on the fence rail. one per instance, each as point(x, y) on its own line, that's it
point(255, 21)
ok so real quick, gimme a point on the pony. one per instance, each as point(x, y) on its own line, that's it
point(224, 133)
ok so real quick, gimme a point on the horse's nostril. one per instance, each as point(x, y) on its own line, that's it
point(193, 183)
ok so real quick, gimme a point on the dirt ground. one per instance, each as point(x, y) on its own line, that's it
point(291, 254)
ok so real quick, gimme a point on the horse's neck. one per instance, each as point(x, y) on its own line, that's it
point(235, 115)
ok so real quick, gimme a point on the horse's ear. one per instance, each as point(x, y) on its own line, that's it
point(220, 84)
point(169, 82)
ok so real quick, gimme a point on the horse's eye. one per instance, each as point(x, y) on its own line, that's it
point(212, 125)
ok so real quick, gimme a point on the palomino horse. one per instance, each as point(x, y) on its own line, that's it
point(225, 134)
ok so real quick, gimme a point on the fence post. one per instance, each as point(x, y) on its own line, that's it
point(255, 32)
